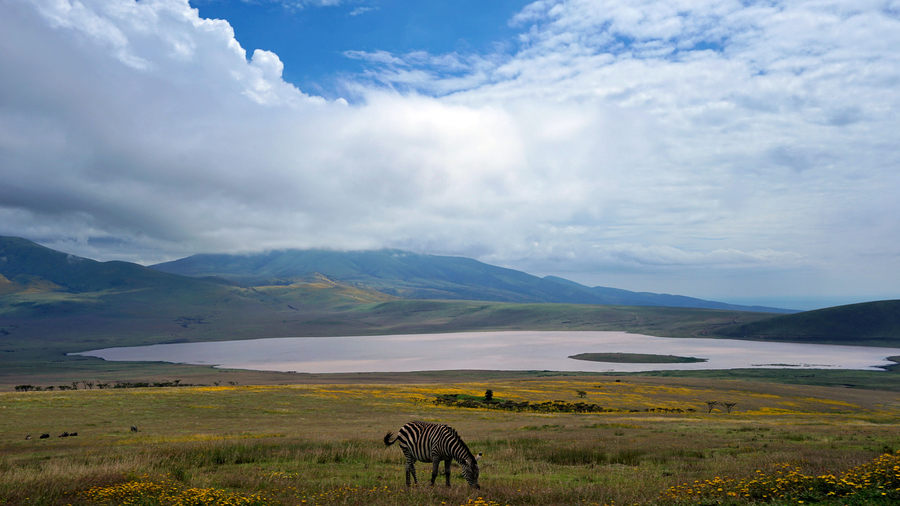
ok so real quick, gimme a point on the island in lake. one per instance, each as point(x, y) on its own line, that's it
point(636, 358)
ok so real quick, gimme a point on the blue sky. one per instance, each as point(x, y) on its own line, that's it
point(312, 40)
point(736, 151)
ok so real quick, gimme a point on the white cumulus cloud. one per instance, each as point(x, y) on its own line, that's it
point(665, 141)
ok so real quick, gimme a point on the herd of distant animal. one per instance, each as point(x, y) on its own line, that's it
point(420, 442)
point(46, 435)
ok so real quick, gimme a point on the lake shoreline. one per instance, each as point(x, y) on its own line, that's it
point(501, 351)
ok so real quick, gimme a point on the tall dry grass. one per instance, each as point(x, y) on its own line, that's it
point(322, 444)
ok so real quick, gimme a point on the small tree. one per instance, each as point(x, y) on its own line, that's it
point(711, 405)
point(581, 393)
point(728, 406)
point(488, 395)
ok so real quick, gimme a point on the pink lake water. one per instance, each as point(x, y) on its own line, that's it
point(512, 350)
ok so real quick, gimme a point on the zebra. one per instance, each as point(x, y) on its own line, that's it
point(434, 442)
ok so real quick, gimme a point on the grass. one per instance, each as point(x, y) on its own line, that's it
point(321, 444)
point(877, 380)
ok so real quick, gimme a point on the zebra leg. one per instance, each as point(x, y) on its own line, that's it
point(411, 470)
point(436, 463)
point(447, 470)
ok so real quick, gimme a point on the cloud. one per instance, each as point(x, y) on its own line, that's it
point(360, 10)
point(294, 5)
point(656, 138)
point(666, 255)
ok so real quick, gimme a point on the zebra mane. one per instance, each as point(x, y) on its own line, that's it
point(467, 452)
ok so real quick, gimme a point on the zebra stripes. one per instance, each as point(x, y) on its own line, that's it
point(434, 442)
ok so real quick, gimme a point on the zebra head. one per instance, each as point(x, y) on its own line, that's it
point(470, 472)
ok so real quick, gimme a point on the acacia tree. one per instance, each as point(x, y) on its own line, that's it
point(711, 405)
point(488, 395)
point(728, 406)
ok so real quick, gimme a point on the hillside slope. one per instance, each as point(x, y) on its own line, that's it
point(51, 297)
point(30, 266)
point(868, 323)
point(416, 276)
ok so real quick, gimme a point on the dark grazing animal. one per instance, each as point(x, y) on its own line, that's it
point(434, 442)
point(133, 428)
point(44, 436)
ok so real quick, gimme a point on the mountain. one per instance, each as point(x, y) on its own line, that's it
point(36, 281)
point(417, 276)
point(29, 266)
point(868, 323)
point(628, 298)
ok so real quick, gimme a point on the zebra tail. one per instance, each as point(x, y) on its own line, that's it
point(387, 439)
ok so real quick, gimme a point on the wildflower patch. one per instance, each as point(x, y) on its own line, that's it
point(168, 493)
point(878, 479)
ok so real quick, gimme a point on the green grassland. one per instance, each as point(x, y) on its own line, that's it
point(762, 436)
point(321, 444)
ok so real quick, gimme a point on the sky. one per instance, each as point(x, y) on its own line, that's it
point(739, 151)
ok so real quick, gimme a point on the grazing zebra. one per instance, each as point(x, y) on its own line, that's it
point(434, 442)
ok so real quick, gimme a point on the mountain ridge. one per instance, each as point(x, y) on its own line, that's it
point(420, 276)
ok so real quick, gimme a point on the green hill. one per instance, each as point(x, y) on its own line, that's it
point(416, 276)
point(30, 265)
point(869, 324)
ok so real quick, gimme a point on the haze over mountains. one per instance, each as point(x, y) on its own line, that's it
point(417, 276)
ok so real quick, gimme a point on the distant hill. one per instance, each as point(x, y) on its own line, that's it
point(869, 323)
point(36, 281)
point(628, 298)
point(27, 265)
point(417, 276)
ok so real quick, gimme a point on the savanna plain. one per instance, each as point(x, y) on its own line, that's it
point(658, 441)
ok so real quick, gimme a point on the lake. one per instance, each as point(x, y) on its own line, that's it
point(512, 350)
